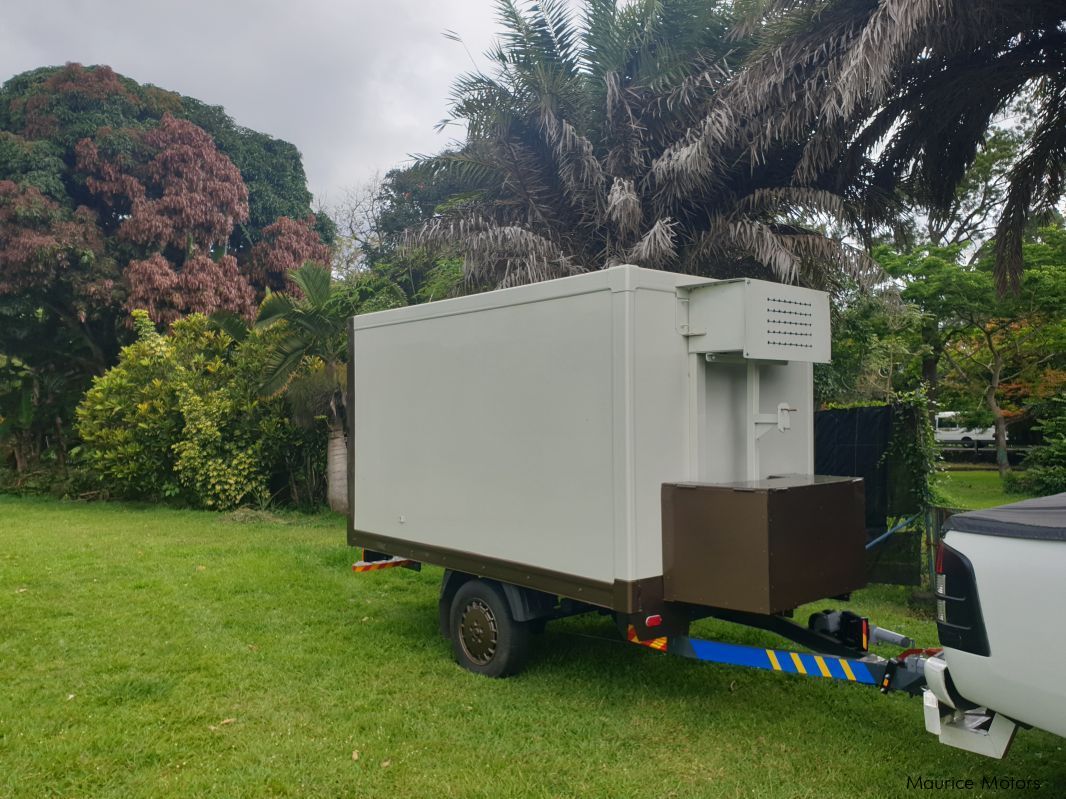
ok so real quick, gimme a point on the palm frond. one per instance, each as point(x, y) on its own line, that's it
point(273, 308)
point(234, 326)
point(282, 364)
point(657, 248)
point(1036, 185)
point(623, 207)
point(507, 254)
point(314, 281)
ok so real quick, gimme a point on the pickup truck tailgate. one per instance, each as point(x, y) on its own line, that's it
point(1002, 606)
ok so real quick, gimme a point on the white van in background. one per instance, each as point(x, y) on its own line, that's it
point(948, 431)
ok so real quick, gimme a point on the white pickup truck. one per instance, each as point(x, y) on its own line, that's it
point(1001, 597)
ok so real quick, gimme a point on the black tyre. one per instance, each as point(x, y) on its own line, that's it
point(485, 637)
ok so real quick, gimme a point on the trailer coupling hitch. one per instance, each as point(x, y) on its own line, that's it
point(853, 630)
point(906, 671)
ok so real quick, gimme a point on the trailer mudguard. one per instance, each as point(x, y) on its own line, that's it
point(526, 604)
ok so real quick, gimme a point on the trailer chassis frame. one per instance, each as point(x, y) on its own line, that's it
point(839, 656)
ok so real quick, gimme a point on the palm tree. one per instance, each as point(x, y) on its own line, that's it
point(314, 349)
point(891, 97)
point(571, 136)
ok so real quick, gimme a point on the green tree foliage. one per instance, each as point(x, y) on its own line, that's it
point(373, 223)
point(1045, 466)
point(54, 278)
point(873, 348)
point(38, 164)
point(181, 418)
point(405, 199)
point(39, 389)
point(991, 352)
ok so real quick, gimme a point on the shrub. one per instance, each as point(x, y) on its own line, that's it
point(1044, 468)
point(129, 419)
point(179, 417)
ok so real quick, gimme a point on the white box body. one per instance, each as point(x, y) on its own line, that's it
point(536, 425)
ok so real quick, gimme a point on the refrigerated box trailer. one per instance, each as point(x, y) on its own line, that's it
point(640, 443)
point(630, 440)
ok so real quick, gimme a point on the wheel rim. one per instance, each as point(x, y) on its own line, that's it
point(478, 633)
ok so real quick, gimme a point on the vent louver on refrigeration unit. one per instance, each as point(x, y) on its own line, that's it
point(759, 320)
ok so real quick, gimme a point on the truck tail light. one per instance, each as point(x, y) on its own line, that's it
point(940, 583)
point(653, 621)
point(959, 621)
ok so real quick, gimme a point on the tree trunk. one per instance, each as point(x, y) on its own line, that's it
point(21, 462)
point(997, 412)
point(931, 364)
point(337, 470)
point(61, 445)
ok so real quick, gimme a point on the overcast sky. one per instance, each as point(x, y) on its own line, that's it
point(356, 86)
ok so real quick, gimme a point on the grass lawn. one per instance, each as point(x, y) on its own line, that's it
point(155, 653)
point(971, 489)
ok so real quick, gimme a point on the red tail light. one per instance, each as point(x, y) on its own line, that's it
point(958, 608)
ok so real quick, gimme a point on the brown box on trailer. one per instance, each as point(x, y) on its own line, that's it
point(763, 546)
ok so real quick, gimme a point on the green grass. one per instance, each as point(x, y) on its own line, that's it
point(971, 489)
point(157, 653)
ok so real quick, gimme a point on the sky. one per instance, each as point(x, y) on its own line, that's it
point(357, 86)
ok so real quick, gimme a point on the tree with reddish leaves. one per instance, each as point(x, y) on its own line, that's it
point(203, 285)
point(114, 196)
point(287, 245)
point(183, 193)
point(179, 200)
point(55, 258)
point(54, 281)
point(166, 193)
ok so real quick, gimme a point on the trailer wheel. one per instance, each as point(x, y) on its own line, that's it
point(485, 637)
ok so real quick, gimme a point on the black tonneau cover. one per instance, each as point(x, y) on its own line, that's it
point(1043, 518)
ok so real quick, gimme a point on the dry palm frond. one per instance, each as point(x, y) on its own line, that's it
point(897, 30)
point(687, 166)
point(623, 207)
point(762, 243)
point(792, 253)
point(499, 252)
point(795, 200)
point(578, 168)
point(626, 129)
point(690, 91)
point(658, 247)
point(816, 252)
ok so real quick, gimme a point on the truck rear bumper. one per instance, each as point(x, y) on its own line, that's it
point(978, 730)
